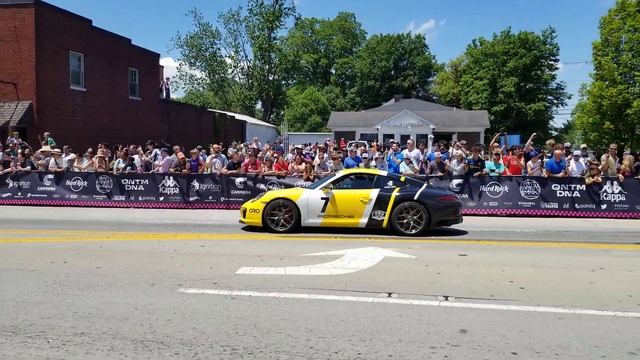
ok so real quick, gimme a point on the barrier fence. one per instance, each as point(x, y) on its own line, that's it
point(505, 195)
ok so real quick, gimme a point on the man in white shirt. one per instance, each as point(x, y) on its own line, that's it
point(414, 154)
point(216, 161)
point(577, 167)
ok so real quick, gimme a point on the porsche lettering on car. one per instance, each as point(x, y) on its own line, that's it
point(364, 198)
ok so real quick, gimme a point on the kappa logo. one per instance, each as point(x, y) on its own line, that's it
point(494, 189)
point(169, 186)
point(612, 191)
point(241, 182)
point(104, 184)
point(76, 184)
point(530, 189)
point(378, 215)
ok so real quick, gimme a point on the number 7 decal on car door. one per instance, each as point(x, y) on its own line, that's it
point(326, 203)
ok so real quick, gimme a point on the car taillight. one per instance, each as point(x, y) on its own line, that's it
point(447, 198)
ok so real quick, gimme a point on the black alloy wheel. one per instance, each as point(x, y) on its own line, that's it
point(410, 218)
point(281, 216)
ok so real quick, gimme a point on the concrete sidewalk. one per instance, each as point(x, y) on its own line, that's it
point(16, 214)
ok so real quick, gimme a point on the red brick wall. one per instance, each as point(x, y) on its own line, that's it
point(104, 112)
point(17, 52)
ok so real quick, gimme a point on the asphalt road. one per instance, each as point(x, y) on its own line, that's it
point(163, 284)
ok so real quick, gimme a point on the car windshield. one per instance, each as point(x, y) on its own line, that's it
point(317, 183)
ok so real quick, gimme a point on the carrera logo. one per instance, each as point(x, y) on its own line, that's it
point(494, 189)
point(47, 180)
point(241, 182)
point(76, 184)
point(240, 192)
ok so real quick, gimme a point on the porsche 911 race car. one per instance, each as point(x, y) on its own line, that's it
point(364, 198)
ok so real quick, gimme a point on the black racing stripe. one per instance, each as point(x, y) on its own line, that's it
point(380, 206)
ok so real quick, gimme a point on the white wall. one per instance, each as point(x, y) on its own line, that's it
point(264, 133)
point(305, 138)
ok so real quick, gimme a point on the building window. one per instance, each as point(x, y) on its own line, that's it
point(134, 83)
point(76, 70)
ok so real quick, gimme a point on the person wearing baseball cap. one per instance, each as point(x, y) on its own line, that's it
point(366, 161)
point(353, 160)
point(577, 166)
point(380, 162)
point(534, 165)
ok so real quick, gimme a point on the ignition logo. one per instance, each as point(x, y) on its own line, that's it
point(494, 189)
point(196, 186)
point(612, 191)
point(169, 186)
point(18, 184)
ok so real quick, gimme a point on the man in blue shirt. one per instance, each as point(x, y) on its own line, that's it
point(556, 166)
point(394, 158)
point(353, 161)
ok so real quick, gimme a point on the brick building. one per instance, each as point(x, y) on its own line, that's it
point(86, 85)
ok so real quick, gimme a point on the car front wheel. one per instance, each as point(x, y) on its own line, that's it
point(281, 216)
point(410, 218)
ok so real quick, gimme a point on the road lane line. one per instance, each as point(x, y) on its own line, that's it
point(64, 236)
point(449, 304)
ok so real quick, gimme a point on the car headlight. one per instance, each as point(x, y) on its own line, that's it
point(258, 197)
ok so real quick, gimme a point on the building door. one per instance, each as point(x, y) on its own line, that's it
point(446, 137)
point(403, 139)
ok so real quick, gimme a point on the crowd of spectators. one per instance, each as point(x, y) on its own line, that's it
point(310, 161)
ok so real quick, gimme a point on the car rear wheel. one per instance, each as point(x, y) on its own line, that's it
point(410, 218)
point(281, 216)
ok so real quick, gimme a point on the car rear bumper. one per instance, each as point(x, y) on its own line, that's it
point(447, 216)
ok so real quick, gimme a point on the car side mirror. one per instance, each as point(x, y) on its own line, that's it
point(328, 188)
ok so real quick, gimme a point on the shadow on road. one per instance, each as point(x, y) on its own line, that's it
point(436, 232)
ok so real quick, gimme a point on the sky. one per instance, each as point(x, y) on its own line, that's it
point(448, 25)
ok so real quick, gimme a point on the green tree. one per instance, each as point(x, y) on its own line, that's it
point(241, 64)
point(307, 110)
point(393, 64)
point(512, 76)
point(610, 106)
point(320, 50)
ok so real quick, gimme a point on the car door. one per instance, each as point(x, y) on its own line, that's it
point(347, 202)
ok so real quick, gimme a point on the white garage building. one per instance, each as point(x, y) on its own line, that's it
point(402, 119)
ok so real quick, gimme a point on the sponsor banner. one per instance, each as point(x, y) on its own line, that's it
point(532, 196)
point(527, 196)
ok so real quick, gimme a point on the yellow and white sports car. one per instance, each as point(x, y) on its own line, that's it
point(364, 198)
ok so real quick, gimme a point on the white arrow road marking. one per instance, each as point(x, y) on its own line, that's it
point(352, 260)
point(479, 306)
